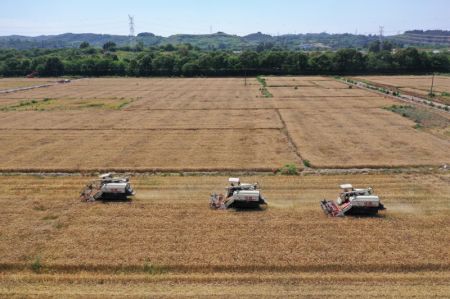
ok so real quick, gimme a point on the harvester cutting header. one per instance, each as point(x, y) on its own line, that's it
point(107, 187)
point(353, 201)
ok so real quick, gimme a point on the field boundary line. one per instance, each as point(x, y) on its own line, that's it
point(221, 172)
point(284, 130)
point(25, 88)
point(143, 129)
point(312, 268)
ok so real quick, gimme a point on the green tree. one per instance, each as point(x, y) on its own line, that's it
point(84, 45)
point(190, 69)
point(249, 60)
point(348, 61)
point(145, 65)
point(321, 63)
point(53, 67)
point(110, 46)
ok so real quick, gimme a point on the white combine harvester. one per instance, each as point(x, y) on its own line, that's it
point(239, 196)
point(353, 201)
point(107, 187)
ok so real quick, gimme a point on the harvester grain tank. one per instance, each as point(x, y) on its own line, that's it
point(238, 195)
point(353, 201)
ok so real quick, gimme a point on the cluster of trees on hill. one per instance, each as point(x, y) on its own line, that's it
point(186, 60)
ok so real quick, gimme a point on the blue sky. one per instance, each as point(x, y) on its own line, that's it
point(166, 17)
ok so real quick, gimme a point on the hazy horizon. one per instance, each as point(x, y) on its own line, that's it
point(165, 18)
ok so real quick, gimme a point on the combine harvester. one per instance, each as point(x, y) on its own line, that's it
point(107, 187)
point(239, 196)
point(353, 201)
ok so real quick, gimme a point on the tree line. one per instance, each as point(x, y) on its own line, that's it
point(186, 60)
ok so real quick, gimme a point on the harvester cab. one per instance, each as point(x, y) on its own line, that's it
point(238, 195)
point(107, 187)
point(353, 201)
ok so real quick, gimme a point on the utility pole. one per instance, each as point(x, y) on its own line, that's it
point(131, 34)
point(381, 37)
point(432, 86)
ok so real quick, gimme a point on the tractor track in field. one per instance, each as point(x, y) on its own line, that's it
point(284, 130)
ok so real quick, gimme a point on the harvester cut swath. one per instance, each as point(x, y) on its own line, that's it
point(353, 201)
point(239, 196)
point(107, 187)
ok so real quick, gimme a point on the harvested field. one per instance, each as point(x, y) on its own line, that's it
point(167, 240)
point(300, 92)
point(329, 102)
point(427, 119)
point(299, 81)
point(362, 138)
point(415, 85)
point(211, 103)
point(188, 89)
point(141, 120)
point(87, 150)
point(75, 126)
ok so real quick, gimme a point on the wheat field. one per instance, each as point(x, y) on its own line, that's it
point(167, 241)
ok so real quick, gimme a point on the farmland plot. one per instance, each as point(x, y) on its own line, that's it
point(168, 236)
point(144, 150)
point(363, 138)
point(141, 120)
point(206, 124)
point(292, 92)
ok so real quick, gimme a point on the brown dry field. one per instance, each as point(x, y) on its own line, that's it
point(167, 242)
point(335, 131)
point(316, 91)
point(145, 89)
point(144, 150)
point(362, 138)
point(142, 119)
point(415, 85)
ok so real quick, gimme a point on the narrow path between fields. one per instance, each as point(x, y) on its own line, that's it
point(375, 88)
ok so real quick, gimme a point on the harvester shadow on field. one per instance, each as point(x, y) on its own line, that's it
point(259, 209)
point(116, 200)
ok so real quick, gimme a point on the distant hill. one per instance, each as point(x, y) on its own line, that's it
point(429, 37)
point(220, 40)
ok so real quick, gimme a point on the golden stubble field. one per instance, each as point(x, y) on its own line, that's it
point(207, 124)
point(168, 242)
point(333, 126)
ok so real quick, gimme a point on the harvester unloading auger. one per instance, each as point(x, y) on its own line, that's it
point(107, 187)
point(353, 201)
point(239, 196)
